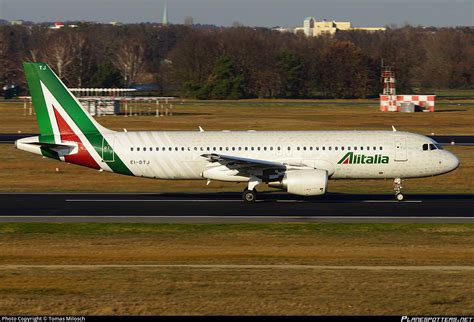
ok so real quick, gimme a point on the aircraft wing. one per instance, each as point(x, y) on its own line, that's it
point(232, 161)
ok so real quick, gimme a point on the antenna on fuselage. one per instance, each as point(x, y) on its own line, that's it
point(394, 129)
point(201, 129)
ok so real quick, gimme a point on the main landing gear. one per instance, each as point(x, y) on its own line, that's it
point(250, 194)
point(397, 187)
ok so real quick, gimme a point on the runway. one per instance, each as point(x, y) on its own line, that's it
point(464, 140)
point(229, 208)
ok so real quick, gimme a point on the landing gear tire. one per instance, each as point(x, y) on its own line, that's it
point(249, 195)
point(397, 187)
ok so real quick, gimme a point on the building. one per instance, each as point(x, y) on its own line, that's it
point(57, 25)
point(164, 21)
point(313, 28)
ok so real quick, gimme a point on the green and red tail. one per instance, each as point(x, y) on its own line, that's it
point(63, 121)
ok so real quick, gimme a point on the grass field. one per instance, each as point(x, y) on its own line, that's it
point(233, 290)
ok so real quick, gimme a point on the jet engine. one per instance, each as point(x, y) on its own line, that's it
point(303, 182)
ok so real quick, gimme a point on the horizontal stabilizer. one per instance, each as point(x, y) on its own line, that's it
point(61, 149)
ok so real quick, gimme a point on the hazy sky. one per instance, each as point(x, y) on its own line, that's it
point(250, 12)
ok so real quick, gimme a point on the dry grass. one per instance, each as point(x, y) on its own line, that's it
point(452, 119)
point(233, 290)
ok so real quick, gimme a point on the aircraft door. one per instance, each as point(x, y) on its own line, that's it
point(401, 150)
point(108, 154)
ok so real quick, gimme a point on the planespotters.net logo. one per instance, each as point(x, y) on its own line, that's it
point(437, 319)
point(351, 158)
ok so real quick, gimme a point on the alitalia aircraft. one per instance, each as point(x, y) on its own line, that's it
point(300, 162)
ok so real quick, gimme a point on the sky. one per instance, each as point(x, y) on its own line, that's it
point(265, 13)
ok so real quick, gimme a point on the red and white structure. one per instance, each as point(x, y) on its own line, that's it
point(391, 102)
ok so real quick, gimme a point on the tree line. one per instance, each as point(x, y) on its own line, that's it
point(242, 62)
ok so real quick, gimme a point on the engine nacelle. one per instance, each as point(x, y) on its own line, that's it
point(304, 182)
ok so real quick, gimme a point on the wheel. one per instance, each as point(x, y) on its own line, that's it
point(249, 195)
point(399, 196)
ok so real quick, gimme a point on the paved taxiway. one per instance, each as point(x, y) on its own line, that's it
point(229, 208)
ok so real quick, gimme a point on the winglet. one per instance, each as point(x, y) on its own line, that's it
point(394, 129)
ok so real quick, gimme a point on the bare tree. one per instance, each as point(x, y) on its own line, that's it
point(130, 60)
point(7, 70)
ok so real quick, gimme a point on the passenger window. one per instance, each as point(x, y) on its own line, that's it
point(336, 148)
point(342, 148)
point(355, 148)
point(264, 148)
point(330, 148)
point(208, 149)
point(202, 149)
point(131, 149)
point(252, 148)
point(380, 148)
point(278, 148)
point(214, 149)
point(348, 148)
point(361, 148)
point(258, 148)
point(304, 148)
point(240, 148)
point(311, 148)
point(233, 148)
point(138, 149)
point(317, 148)
point(220, 148)
point(227, 148)
point(246, 148)
point(324, 148)
point(368, 148)
point(289, 148)
point(271, 148)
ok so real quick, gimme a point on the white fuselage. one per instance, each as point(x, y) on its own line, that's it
point(376, 154)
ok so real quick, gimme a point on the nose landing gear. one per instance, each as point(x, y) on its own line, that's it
point(397, 187)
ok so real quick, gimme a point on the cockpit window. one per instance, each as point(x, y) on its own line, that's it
point(432, 146)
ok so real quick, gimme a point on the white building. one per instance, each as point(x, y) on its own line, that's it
point(313, 28)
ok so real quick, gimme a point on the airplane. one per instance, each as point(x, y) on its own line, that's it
point(299, 162)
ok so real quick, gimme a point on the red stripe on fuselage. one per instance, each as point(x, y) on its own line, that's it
point(82, 157)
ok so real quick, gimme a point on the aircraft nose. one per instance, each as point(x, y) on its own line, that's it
point(452, 162)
